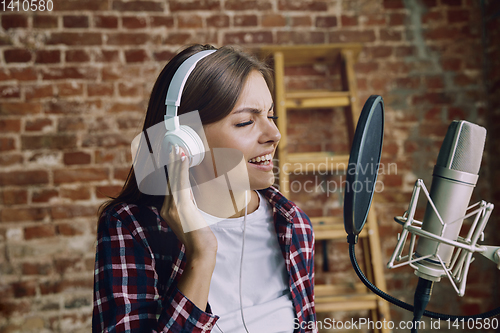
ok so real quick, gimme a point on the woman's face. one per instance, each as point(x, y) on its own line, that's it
point(249, 129)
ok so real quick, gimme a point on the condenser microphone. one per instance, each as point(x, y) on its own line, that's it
point(454, 178)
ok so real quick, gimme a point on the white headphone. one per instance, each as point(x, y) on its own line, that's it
point(183, 135)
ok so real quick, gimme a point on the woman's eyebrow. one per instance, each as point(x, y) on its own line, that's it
point(252, 110)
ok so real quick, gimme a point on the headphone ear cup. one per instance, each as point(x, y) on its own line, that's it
point(187, 138)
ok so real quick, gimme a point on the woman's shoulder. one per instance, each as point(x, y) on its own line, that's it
point(127, 214)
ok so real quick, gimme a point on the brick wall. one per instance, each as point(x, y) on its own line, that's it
point(74, 84)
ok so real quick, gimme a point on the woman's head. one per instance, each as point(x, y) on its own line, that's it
point(214, 89)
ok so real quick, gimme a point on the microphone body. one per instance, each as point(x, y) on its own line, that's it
point(454, 178)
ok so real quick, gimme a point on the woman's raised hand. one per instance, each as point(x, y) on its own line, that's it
point(180, 212)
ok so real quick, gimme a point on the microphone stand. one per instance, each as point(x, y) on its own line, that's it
point(420, 300)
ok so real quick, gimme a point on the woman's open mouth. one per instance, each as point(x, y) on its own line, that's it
point(262, 160)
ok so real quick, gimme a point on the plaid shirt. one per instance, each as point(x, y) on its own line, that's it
point(138, 265)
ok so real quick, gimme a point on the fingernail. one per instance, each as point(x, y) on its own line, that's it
point(183, 158)
point(176, 149)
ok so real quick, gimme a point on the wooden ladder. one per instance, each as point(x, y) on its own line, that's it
point(328, 298)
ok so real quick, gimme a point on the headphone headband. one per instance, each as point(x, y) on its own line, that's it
point(174, 92)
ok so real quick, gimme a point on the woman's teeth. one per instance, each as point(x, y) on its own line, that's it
point(262, 160)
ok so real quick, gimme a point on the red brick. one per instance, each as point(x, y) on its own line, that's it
point(7, 144)
point(432, 16)
point(245, 20)
point(458, 16)
point(9, 159)
point(163, 55)
point(12, 21)
point(240, 5)
point(77, 56)
point(48, 141)
point(17, 55)
point(189, 21)
point(379, 51)
point(407, 83)
point(434, 82)
point(109, 191)
point(75, 38)
point(455, 3)
point(100, 89)
point(39, 231)
point(14, 197)
point(128, 38)
point(71, 124)
point(105, 140)
point(10, 125)
point(66, 229)
point(57, 73)
point(107, 56)
point(74, 158)
point(390, 35)
point(106, 22)
point(194, 5)
point(24, 289)
point(48, 56)
point(352, 36)
point(75, 21)
point(348, 21)
point(397, 19)
point(326, 21)
point(75, 194)
point(463, 80)
point(161, 21)
point(300, 37)
point(23, 74)
point(310, 5)
point(38, 91)
point(81, 5)
point(44, 195)
point(72, 211)
point(134, 56)
point(44, 21)
point(394, 4)
point(433, 98)
point(375, 20)
point(451, 64)
point(9, 92)
point(70, 89)
point(218, 21)
point(37, 124)
point(86, 174)
point(177, 38)
point(36, 268)
point(441, 33)
point(121, 173)
point(404, 51)
point(8, 214)
point(456, 113)
point(301, 21)
point(365, 67)
point(138, 6)
point(132, 22)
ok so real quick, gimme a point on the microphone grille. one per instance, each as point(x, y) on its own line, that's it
point(462, 148)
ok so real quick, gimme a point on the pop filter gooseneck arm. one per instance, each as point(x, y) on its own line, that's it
point(361, 178)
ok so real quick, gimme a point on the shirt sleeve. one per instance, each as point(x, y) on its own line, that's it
point(126, 287)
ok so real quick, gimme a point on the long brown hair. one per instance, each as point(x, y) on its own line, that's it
point(213, 89)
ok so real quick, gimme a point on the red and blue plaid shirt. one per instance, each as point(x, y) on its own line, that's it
point(139, 261)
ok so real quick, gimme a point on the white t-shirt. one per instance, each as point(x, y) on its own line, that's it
point(267, 304)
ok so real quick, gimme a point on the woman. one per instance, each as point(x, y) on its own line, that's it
point(252, 272)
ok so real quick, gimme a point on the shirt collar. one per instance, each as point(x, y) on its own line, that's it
point(283, 206)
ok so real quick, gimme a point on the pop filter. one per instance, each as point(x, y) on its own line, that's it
point(363, 166)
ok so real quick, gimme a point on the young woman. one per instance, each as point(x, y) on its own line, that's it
point(250, 272)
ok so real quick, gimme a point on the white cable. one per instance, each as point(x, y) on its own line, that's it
point(241, 262)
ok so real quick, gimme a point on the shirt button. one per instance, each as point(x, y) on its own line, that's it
point(208, 326)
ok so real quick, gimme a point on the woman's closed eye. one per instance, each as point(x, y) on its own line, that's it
point(250, 122)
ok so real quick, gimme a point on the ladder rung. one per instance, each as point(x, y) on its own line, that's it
point(328, 290)
point(315, 162)
point(346, 302)
point(317, 99)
